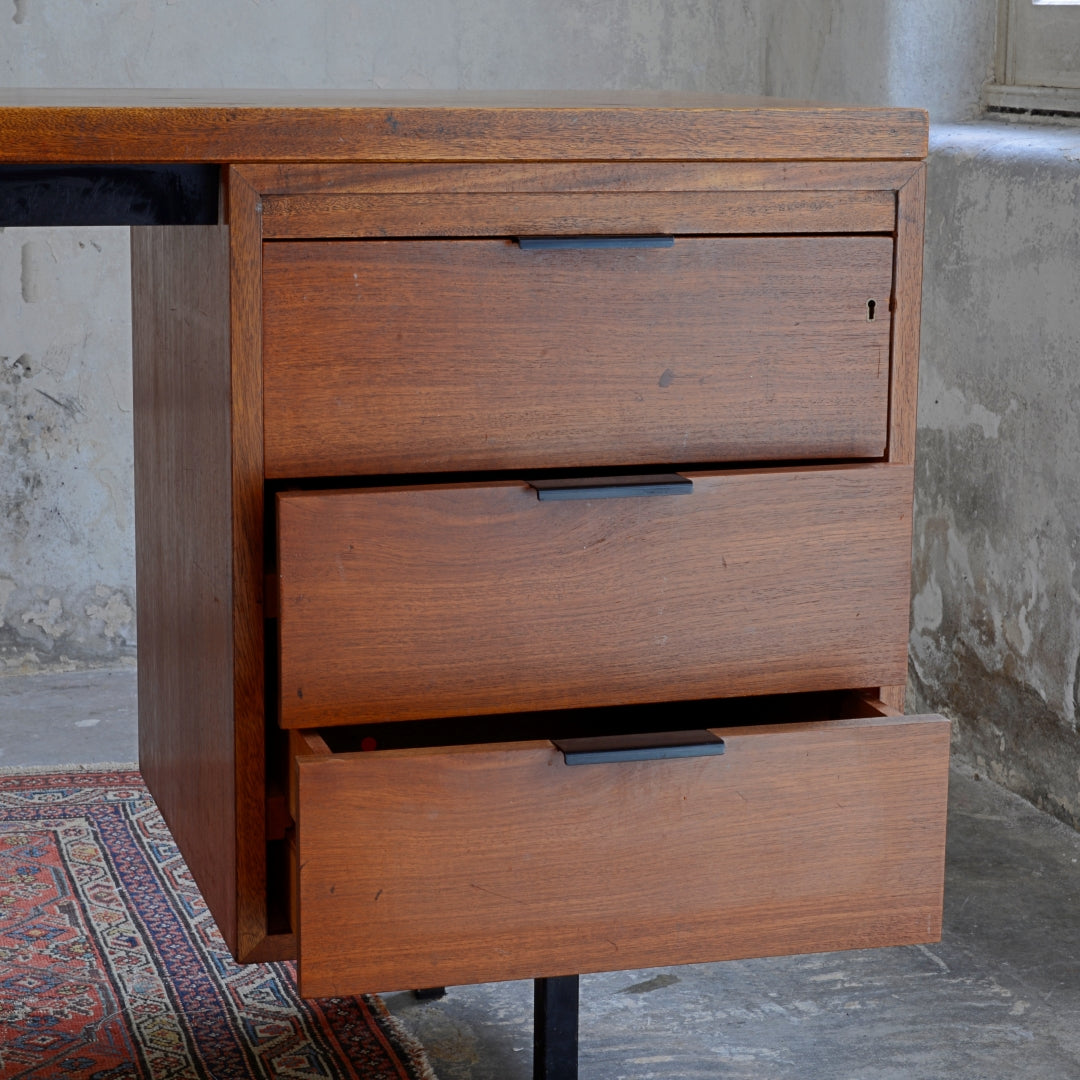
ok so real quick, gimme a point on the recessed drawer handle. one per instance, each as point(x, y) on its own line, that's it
point(560, 243)
point(607, 749)
point(611, 487)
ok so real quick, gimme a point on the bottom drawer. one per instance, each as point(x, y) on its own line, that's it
point(447, 865)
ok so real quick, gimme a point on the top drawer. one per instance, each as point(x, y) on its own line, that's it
point(396, 356)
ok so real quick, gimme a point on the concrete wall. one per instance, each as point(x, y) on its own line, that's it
point(995, 640)
point(677, 44)
point(934, 54)
point(996, 573)
point(67, 585)
point(67, 571)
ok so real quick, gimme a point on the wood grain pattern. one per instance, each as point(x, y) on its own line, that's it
point(561, 176)
point(301, 744)
point(237, 126)
point(246, 516)
point(894, 696)
point(445, 600)
point(904, 388)
point(398, 356)
point(444, 866)
point(911, 210)
point(183, 546)
point(496, 214)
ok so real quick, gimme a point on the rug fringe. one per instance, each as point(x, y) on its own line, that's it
point(408, 1042)
point(92, 767)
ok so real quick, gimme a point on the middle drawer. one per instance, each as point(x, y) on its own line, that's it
point(398, 356)
point(424, 601)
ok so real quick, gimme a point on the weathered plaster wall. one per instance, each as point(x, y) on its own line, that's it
point(67, 588)
point(677, 44)
point(996, 571)
point(933, 54)
point(995, 640)
point(67, 584)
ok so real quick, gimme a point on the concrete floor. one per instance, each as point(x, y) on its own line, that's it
point(72, 718)
point(999, 997)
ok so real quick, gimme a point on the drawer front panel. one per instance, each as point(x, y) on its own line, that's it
point(468, 864)
point(413, 602)
point(408, 356)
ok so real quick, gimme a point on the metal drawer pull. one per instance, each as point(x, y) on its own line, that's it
point(557, 243)
point(611, 487)
point(606, 749)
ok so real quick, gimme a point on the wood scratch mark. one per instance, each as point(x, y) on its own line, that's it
point(492, 892)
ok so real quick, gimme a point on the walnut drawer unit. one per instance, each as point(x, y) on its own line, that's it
point(347, 393)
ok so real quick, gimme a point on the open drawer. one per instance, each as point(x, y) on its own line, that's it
point(442, 865)
point(403, 603)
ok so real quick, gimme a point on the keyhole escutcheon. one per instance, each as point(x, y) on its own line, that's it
point(871, 308)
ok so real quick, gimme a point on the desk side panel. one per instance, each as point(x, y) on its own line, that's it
point(183, 523)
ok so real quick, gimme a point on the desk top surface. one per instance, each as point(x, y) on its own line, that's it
point(44, 126)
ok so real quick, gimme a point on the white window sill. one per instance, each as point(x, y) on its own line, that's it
point(1037, 102)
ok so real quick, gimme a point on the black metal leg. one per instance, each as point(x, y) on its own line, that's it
point(430, 993)
point(555, 1028)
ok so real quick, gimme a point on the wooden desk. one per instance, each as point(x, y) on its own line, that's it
point(347, 377)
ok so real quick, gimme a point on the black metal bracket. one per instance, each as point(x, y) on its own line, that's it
point(555, 1028)
point(41, 195)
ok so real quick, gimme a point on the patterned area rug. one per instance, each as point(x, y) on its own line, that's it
point(111, 966)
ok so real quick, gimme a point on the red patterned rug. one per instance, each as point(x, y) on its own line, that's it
point(111, 966)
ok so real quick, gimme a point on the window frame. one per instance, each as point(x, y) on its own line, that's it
point(1024, 83)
